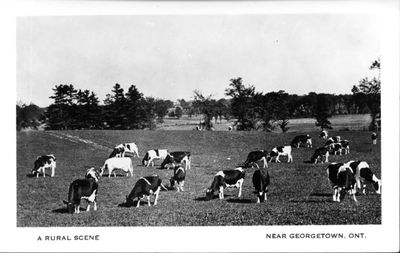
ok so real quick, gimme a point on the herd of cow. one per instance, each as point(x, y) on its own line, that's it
point(343, 177)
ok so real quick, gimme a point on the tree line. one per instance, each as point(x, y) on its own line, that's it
point(250, 110)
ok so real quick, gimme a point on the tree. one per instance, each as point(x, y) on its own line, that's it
point(115, 109)
point(205, 105)
point(243, 106)
point(370, 93)
point(60, 114)
point(29, 116)
point(178, 112)
point(322, 111)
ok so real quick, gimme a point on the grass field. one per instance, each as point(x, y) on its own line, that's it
point(299, 193)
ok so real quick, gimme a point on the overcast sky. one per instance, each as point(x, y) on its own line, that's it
point(170, 56)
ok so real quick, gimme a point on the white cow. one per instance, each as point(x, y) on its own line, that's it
point(121, 163)
point(149, 157)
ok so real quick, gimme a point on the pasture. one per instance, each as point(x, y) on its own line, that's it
point(299, 193)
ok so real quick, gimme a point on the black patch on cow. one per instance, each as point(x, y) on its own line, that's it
point(280, 149)
point(367, 174)
point(157, 152)
point(354, 166)
point(145, 158)
point(273, 154)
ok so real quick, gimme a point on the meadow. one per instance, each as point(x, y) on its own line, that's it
point(299, 193)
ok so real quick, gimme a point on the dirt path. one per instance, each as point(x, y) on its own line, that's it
point(76, 139)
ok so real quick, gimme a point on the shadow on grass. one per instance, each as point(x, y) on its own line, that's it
point(142, 203)
point(65, 210)
point(30, 175)
point(241, 201)
point(318, 194)
point(116, 175)
point(214, 197)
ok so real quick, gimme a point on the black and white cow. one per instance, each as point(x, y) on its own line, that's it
point(145, 187)
point(83, 189)
point(345, 146)
point(178, 179)
point(255, 156)
point(226, 179)
point(125, 149)
point(177, 157)
point(336, 148)
point(342, 180)
point(323, 134)
point(363, 175)
point(281, 151)
point(299, 139)
point(260, 182)
point(374, 138)
point(331, 140)
point(153, 154)
point(117, 163)
point(42, 163)
point(319, 153)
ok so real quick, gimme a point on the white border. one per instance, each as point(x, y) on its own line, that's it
point(383, 237)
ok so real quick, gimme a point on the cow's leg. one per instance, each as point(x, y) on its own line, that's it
point(156, 195)
point(221, 192)
point(114, 173)
point(44, 172)
point(277, 159)
point(94, 205)
point(182, 184)
point(265, 195)
point(240, 189)
point(334, 195)
point(52, 171)
point(138, 203)
point(148, 200)
point(88, 207)
point(258, 197)
point(363, 189)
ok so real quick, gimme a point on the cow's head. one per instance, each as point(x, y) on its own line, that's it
point(209, 194)
point(167, 161)
point(70, 206)
point(128, 201)
point(378, 186)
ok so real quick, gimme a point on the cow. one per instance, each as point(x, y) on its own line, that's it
point(342, 180)
point(374, 138)
point(79, 189)
point(178, 157)
point(145, 187)
point(281, 150)
point(319, 153)
point(226, 179)
point(150, 155)
point(336, 148)
point(114, 163)
point(92, 173)
point(345, 146)
point(331, 140)
point(297, 140)
point(260, 182)
point(122, 150)
point(255, 156)
point(178, 179)
point(42, 163)
point(323, 134)
point(363, 175)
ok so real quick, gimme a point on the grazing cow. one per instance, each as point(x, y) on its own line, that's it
point(178, 157)
point(145, 187)
point(281, 150)
point(297, 140)
point(255, 156)
point(319, 153)
point(363, 175)
point(124, 149)
point(345, 146)
point(342, 180)
point(150, 155)
point(374, 138)
point(82, 189)
point(121, 163)
point(178, 178)
point(331, 140)
point(226, 179)
point(336, 148)
point(42, 163)
point(261, 182)
point(323, 134)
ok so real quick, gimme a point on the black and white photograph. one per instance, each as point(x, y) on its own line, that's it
point(266, 125)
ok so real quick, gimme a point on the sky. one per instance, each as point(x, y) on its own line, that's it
point(170, 56)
